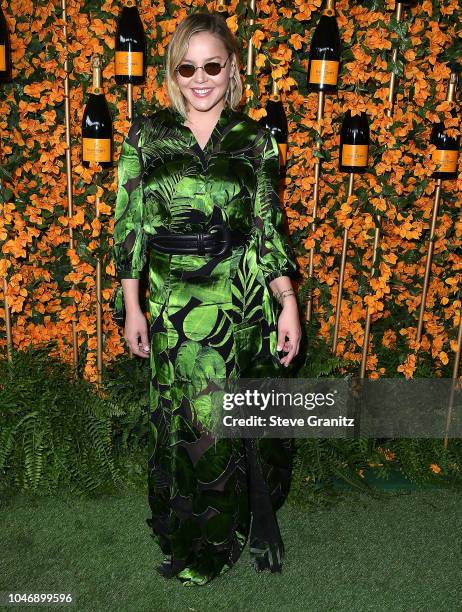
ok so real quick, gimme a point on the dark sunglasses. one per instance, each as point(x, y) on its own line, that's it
point(211, 68)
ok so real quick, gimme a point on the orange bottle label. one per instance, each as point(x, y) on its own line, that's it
point(129, 63)
point(324, 72)
point(97, 149)
point(282, 153)
point(2, 57)
point(354, 155)
point(447, 160)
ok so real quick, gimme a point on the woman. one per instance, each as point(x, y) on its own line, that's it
point(197, 201)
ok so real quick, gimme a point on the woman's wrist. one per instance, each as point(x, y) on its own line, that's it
point(290, 303)
point(286, 296)
point(131, 297)
point(133, 309)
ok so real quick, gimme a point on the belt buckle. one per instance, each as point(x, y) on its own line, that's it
point(226, 235)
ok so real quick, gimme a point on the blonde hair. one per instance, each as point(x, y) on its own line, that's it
point(178, 45)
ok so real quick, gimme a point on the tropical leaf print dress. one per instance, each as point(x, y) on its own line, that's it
point(211, 316)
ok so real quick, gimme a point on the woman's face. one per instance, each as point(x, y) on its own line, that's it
point(205, 47)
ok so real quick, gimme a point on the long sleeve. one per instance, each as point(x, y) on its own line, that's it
point(129, 248)
point(275, 254)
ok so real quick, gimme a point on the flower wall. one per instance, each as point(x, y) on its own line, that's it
point(45, 277)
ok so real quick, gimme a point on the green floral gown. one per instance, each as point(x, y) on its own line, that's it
point(211, 316)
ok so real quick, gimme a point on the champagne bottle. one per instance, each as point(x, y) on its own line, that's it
point(354, 143)
point(97, 143)
point(130, 46)
point(276, 121)
point(447, 149)
point(5, 50)
point(325, 51)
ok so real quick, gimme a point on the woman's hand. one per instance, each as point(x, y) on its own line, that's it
point(136, 333)
point(289, 326)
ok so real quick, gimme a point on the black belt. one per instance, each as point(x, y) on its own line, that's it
point(215, 243)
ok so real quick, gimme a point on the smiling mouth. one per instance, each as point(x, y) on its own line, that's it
point(201, 91)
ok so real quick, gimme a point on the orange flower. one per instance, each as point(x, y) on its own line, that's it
point(409, 366)
point(389, 455)
point(257, 38)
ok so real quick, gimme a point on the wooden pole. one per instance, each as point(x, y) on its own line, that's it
point(8, 331)
point(431, 240)
point(69, 177)
point(342, 270)
point(317, 173)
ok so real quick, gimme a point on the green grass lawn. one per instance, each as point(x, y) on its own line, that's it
point(401, 553)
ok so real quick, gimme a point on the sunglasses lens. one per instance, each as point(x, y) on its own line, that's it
point(212, 68)
point(186, 70)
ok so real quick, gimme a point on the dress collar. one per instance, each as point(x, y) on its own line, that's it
point(225, 117)
point(226, 113)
